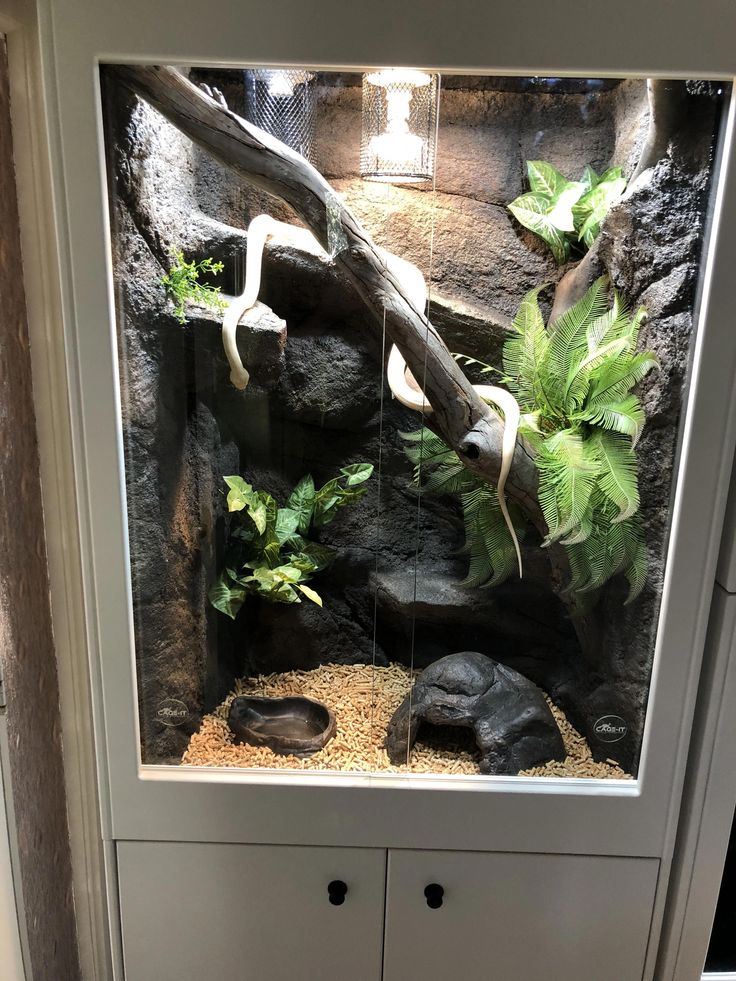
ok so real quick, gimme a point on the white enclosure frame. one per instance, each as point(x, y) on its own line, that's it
point(675, 38)
point(710, 792)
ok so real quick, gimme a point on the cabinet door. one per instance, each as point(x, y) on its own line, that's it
point(516, 917)
point(249, 912)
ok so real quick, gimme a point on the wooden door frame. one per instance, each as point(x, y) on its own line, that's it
point(91, 860)
point(13, 935)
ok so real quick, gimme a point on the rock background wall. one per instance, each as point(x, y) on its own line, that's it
point(317, 401)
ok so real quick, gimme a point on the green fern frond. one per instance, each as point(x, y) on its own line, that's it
point(525, 355)
point(580, 571)
point(449, 478)
point(617, 476)
point(581, 376)
point(469, 362)
point(636, 566)
point(612, 325)
point(614, 381)
point(606, 554)
point(426, 449)
point(492, 556)
point(625, 417)
point(580, 534)
point(568, 332)
point(422, 456)
point(635, 326)
point(529, 316)
point(568, 473)
point(581, 419)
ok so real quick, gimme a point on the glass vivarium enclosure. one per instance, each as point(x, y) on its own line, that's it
point(403, 365)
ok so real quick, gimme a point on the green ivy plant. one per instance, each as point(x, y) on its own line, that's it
point(567, 213)
point(271, 552)
point(574, 383)
point(182, 284)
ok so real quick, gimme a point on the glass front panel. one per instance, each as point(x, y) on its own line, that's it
point(403, 362)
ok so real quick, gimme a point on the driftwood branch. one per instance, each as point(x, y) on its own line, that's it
point(668, 114)
point(576, 282)
point(459, 414)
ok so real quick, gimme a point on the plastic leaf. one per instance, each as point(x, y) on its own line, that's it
point(225, 597)
point(544, 178)
point(356, 473)
point(288, 573)
point(301, 500)
point(310, 594)
point(593, 206)
point(589, 178)
point(560, 214)
point(240, 494)
point(259, 513)
point(287, 522)
point(531, 211)
point(320, 555)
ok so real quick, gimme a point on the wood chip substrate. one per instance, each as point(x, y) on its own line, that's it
point(363, 699)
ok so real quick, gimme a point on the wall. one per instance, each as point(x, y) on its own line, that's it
point(26, 637)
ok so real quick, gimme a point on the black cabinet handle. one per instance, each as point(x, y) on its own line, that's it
point(336, 891)
point(434, 893)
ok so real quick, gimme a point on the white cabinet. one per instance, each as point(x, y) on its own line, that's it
point(250, 912)
point(512, 917)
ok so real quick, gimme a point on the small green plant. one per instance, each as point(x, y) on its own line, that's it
point(573, 381)
point(270, 552)
point(183, 286)
point(566, 213)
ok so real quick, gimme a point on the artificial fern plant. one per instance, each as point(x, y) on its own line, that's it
point(567, 214)
point(574, 383)
point(488, 544)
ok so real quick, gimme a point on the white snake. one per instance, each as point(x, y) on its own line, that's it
point(260, 229)
point(401, 381)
